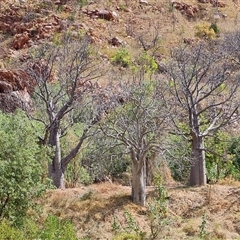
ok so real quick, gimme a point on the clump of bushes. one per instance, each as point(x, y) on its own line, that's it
point(206, 31)
point(52, 229)
point(122, 58)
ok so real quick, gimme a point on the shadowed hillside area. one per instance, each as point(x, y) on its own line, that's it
point(119, 119)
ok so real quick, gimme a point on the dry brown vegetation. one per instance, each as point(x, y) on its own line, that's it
point(93, 209)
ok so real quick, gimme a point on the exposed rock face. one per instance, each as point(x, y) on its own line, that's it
point(215, 3)
point(27, 31)
point(15, 89)
point(103, 14)
point(186, 9)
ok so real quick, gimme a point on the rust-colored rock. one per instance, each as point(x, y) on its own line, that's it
point(216, 3)
point(16, 87)
point(18, 79)
point(4, 27)
point(21, 41)
point(103, 14)
point(186, 9)
point(5, 87)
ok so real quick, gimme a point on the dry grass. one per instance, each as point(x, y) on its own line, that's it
point(93, 209)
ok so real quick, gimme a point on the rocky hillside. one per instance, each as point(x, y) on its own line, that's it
point(139, 25)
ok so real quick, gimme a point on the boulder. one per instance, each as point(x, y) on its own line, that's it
point(115, 41)
point(16, 87)
point(21, 41)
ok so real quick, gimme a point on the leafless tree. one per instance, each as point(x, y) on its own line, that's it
point(63, 96)
point(231, 45)
point(138, 125)
point(204, 87)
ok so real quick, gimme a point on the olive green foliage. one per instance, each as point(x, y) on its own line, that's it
point(203, 233)
point(55, 229)
point(127, 236)
point(215, 28)
point(9, 232)
point(218, 161)
point(76, 174)
point(234, 150)
point(20, 167)
point(148, 63)
point(52, 229)
point(205, 31)
point(122, 58)
point(222, 156)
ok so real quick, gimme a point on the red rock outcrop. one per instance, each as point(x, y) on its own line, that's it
point(16, 86)
point(188, 10)
point(103, 14)
point(27, 32)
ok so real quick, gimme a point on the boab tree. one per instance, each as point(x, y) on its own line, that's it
point(138, 125)
point(63, 76)
point(205, 90)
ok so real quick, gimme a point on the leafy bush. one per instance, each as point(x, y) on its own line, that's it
point(148, 63)
point(122, 58)
point(127, 236)
point(218, 157)
point(77, 174)
point(234, 150)
point(205, 31)
point(52, 229)
point(20, 168)
point(9, 232)
point(55, 229)
point(215, 28)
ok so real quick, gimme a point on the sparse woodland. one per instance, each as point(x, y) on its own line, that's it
point(119, 119)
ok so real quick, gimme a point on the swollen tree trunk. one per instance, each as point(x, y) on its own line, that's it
point(198, 168)
point(139, 182)
point(56, 170)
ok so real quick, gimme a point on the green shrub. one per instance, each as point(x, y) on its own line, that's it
point(127, 236)
point(148, 63)
point(122, 58)
point(20, 168)
point(52, 229)
point(55, 229)
point(215, 28)
point(8, 232)
point(218, 158)
point(205, 31)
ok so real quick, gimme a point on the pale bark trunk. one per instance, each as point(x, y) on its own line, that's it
point(139, 183)
point(198, 169)
point(56, 169)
